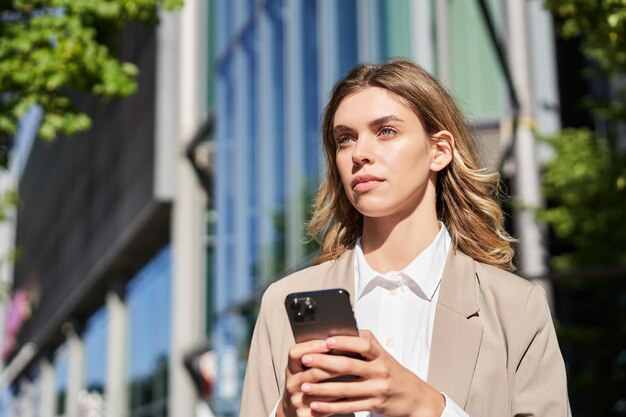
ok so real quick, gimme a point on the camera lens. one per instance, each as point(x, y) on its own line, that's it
point(310, 309)
point(298, 316)
point(295, 304)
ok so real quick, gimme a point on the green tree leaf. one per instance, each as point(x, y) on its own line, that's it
point(49, 48)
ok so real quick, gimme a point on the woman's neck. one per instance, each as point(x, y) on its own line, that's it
point(391, 244)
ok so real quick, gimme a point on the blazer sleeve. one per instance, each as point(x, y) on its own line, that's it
point(540, 386)
point(260, 388)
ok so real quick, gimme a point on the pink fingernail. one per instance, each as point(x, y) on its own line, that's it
point(307, 359)
point(306, 388)
point(315, 406)
point(331, 342)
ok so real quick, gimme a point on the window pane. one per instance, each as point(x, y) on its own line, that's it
point(148, 301)
point(95, 352)
point(61, 369)
point(395, 30)
point(473, 65)
point(346, 21)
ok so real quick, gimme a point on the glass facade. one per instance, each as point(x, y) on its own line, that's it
point(149, 312)
point(475, 77)
point(146, 361)
point(94, 338)
point(61, 370)
point(95, 342)
point(276, 63)
point(395, 33)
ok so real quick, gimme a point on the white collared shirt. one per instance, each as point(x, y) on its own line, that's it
point(399, 307)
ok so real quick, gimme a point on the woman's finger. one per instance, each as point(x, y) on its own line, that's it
point(339, 365)
point(315, 375)
point(365, 345)
point(297, 351)
point(355, 389)
point(343, 406)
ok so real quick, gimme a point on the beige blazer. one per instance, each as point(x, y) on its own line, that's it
point(494, 349)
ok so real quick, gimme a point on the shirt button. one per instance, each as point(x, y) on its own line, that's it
point(390, 342)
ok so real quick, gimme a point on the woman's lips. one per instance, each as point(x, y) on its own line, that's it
point(365, 183)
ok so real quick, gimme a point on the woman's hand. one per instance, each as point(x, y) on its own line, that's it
point(294, 402)
point(384, 385)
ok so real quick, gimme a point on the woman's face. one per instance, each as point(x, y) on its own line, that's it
point(384, 155)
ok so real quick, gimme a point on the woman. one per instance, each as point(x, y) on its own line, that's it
point(409, 225)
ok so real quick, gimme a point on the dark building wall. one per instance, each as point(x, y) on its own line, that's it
point(87, 203)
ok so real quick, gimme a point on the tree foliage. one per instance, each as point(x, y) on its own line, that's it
point(49, 48)
point(586, 181)
point(585, 184)
point(601, 27)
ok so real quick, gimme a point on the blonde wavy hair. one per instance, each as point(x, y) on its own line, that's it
point(466, 193)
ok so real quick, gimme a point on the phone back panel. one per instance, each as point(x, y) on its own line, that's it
point(320, 314)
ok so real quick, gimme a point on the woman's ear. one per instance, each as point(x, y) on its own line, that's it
point(443, 150)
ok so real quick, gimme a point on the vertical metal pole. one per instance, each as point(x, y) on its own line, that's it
point(443, 42)
point(544, 73)
point(532, 251)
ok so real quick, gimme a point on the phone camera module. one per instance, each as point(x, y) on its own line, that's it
point(304, 310)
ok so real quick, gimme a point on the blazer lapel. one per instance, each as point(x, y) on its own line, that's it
point(456, 339)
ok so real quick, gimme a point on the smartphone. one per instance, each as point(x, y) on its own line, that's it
point(322, 314)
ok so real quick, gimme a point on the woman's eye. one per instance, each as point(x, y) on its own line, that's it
point(343, 139)
point(387, 131)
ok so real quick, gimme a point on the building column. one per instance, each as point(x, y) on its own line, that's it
point(47, 388)
point(188, 211)
point(76, 367)
point(116, 401)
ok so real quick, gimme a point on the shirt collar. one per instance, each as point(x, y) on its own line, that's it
point(422, 275)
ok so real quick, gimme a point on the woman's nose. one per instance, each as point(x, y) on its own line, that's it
point(363, 152)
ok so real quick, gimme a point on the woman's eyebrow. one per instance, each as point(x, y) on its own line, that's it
point(373, 124)
point(384, 119)
point(341, 129)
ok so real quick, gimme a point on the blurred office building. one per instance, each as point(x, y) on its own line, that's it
point(107, 315)
point(147, 242)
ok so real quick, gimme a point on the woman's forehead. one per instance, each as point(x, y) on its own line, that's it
point(371, 103)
